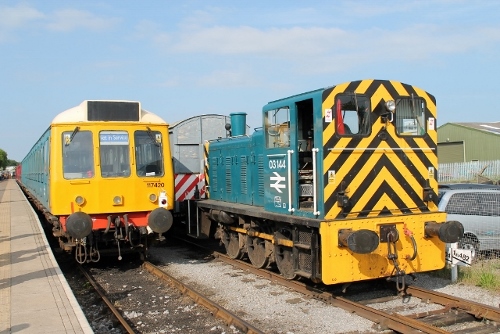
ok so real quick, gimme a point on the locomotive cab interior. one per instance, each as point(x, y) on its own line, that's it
point(305, 141)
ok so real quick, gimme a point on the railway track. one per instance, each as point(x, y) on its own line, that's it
point(218, 311)
point(474, 317)
point(116, 313)
point(450, 315)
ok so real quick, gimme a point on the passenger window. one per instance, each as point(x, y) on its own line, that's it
point(277, 126)
point(410, 116)
point(114, 153)
point(148, 153)
point(78, 154)
point(352, 115)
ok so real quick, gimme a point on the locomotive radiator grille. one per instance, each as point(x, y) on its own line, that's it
point(305, 262)
point(228, 174)
point(304, 238)
point(244, 183)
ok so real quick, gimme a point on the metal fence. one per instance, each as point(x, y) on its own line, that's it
point(473, 171)
point(477, 172)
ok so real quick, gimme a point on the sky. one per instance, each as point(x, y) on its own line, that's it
point(191, 57)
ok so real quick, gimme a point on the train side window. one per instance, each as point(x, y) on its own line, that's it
point(148, 153)
point(410, 116)
point(352, 114)
point(277, 127)
point(114, 153)
point(78, 154)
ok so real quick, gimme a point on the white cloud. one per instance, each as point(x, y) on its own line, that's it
point(331, 49)
point(13, 17)
point(71, 19)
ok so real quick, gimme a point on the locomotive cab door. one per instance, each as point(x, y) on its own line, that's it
point(306, 158)
point(277, 160)
point(289, 170)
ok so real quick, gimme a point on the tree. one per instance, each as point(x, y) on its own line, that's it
point(3, 159)
point(12, 162)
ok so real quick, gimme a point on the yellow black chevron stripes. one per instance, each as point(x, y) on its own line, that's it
point(382, 174)
point(207, 167)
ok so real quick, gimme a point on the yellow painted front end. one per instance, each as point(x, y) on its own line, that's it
point(108, 195)
point(357, 267)
point(383, 175)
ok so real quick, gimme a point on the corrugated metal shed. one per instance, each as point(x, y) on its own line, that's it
point(187, 138)
point(478, 140)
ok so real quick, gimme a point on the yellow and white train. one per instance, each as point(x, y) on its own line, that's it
point(102, 175)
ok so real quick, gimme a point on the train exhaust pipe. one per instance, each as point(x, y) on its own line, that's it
point(238, 124)
point(449, 232)
point(360, 242)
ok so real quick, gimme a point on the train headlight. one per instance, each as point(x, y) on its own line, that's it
point(390, 105)
point(153, 198)
point(117, 200)
point(79, 200)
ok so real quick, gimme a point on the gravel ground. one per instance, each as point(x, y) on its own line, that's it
point(270, 307)
point(275, 309)
point(152, 307)
point(149, 305)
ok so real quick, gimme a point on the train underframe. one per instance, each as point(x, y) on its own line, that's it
point(105, 235)
point(293, 246)
point(117, 239)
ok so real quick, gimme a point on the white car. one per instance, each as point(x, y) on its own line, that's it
point(479, 212)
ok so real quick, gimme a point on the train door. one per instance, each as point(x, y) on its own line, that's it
point(290, 171)
point(277, 160)
point(305, 157)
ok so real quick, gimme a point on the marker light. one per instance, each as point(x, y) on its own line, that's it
point(153, 198)
point(117, 200)
point(79, 200)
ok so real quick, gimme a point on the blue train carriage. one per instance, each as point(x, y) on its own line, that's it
point(339, 185)
point(103, 176)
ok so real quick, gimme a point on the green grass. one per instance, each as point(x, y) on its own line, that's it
point(482, 273)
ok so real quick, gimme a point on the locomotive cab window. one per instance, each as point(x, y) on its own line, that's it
point(148, 153)
point(277, 126)
point(114, 153)
point(352, 115)
point(78, 153)
point(410, 117)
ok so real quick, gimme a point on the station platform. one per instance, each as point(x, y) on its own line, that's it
point(34, 295)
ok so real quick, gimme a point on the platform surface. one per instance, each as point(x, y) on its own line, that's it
point(34, 295)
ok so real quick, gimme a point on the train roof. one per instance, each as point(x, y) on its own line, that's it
point(106, 110)
point(320, 90)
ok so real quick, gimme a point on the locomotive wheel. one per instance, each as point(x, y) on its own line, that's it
point(256, 249)
point(284, 261)
point(232, 245)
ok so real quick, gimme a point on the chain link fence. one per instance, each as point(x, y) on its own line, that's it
point(478, 211)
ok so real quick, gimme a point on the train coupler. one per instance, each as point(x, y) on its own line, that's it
point(392, 255)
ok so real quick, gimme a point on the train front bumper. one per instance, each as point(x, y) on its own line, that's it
point(160, 220)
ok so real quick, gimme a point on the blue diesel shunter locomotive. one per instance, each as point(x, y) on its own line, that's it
point(338, 185)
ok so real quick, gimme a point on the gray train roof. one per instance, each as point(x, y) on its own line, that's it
point(187, 138)
point(79, 114)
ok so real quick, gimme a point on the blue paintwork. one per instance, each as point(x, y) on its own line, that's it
point(243, 170)
point(35, 173)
